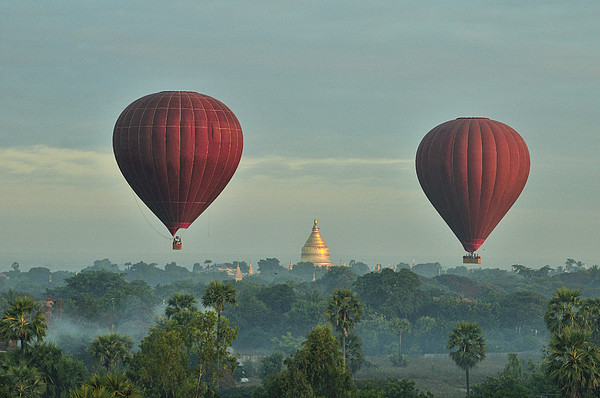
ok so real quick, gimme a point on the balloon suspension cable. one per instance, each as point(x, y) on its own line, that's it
point(148, 221)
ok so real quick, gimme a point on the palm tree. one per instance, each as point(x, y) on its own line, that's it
point(469, 346)
point(180, 304)
point(563, 310)
point(344, 312)
point(23, 321)
point(24, 381)
point(111, 349)
point(573, 362)
point(109, 385)
point(218, 294)
point(400, 325)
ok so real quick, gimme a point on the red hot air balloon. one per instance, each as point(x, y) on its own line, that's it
point(472, 171)
point(177, 150)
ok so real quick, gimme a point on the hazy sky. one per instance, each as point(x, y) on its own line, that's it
point(333, 97)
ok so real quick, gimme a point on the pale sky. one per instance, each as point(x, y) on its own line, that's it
point(333, 98)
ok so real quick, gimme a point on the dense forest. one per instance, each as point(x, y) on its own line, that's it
point(224, 330)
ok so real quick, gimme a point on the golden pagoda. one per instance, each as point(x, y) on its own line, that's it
point(315, 250)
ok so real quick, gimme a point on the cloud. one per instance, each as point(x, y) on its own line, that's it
point(46, 166)
point(333, 171)
point(42, 164)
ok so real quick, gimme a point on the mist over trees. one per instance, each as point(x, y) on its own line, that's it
point(213, 331)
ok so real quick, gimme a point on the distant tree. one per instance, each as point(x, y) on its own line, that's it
point(344, 311)
point(304, 270)
point(399, 326)
point(524, 308)
point(468, 347)
point(393, 294)
point(269, 267)
point(102, 298)
point(563, 310)
point(358, 267)
point(390, 387)
point(288, 344)
point(355, 357)
point(307, 311)
point(337, 278)
point(278, 297)
point(175, 270)
point(23, 321)
point(111, 349)
point(39, 275)
point(428, 269)
point(180, 305)
point(515, 382)
point(217, 295)
point(425, 328)
point(15, 266)
point(271, 364)
point(104, 264)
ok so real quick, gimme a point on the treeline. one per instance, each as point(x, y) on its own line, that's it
point(403, 312)
point(275, 301)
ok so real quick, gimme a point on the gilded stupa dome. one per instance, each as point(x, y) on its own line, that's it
point(315, 250)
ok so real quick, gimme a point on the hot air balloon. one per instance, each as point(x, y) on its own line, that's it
point(472, 170)
point(177, 150)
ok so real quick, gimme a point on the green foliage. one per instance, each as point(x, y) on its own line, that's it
point(563, 310)
point(23, 380)
point(271, 364)
point(468, 346)
point(60, 372)
point(288, 344)
point(111, 385)
point(111, 349)
point(316, 370)
point(387, 388)
point(397, 359)
point(218, 294)
point(103, 298)
point(162, 366)
point(23, 321)
point(337, 278)
point(269, 268)
point(278, 297)
point(180, 354)
point(573, 362)
point(344, 311)
point(306, 312)
point(515, 382)
point(393, 294)
point(359, 268)
point(500, 387)
point(354, 353)
point(181, 307)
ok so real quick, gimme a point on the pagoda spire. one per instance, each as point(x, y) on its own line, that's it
point(238, 274)
point(315, 250)
point(250, 269)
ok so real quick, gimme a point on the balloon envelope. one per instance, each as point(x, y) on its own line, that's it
point(177, 150)
point(472, 171)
